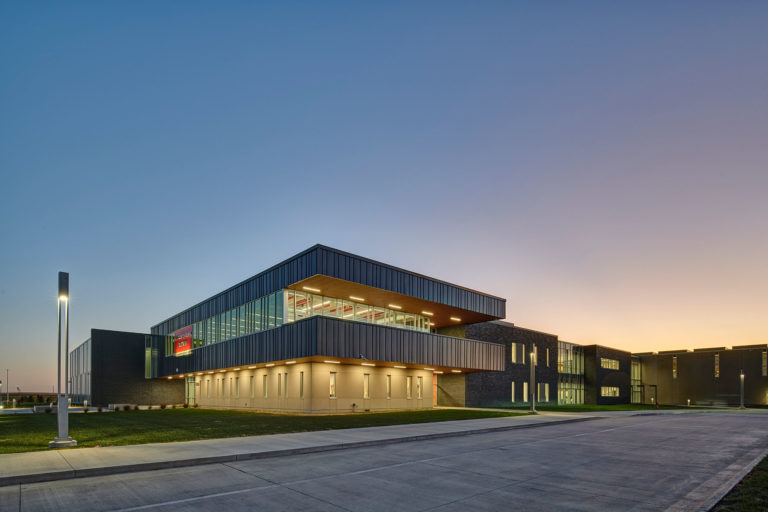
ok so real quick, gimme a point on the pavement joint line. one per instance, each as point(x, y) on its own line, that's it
point(725, 488)
point(218, 459)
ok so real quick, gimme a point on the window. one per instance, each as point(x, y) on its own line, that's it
point(419, 387)
point(264, 383)
point(389, 387)
point(408, 388)
point(253, 387)
point(285, 384)
point(237, 387)
point(512, 392)
point(230, 387)
point(279, 385)
point(674, 367)
point(610, 364)
point(301, 384)
point(717, 364)
point(765, 363)
point(525, 391)
point(513, 352)
point(535, 355)
point(546, 391)
point(332, 390)
point(208, 389)
point(547, 357)
point(609, 391)
point(367, 385)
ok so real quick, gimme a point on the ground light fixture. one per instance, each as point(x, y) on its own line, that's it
point(741, 389)
point(62, 408)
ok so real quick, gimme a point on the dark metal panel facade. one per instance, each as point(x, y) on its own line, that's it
point(331, 262)
point(320, 336)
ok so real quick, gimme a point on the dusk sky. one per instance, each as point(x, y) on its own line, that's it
point(601, 165)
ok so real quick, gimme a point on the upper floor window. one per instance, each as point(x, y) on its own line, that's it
point(610, 364)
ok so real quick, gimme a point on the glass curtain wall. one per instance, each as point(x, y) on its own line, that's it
point(570, 379)
point(636, 381)
point(300, 305)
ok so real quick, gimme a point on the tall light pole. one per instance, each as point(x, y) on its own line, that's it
point(532, 385)
point(741, 389)
point(62, 407)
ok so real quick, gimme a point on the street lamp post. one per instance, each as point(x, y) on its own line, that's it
point(62, 407)
point(741, 389)
point(533, 381)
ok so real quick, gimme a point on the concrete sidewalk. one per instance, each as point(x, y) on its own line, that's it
point(29, 467)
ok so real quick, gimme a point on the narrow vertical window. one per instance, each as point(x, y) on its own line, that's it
point(547, 357)
point(525, 391)
point(230, 387)
point(419, 387)
point(765, 364)
point(513, 352)
point(237, 387)
point(367, 385)
point(512, 392)
point(208, 389)
point(535, 355)
point(301, 384)
point(253, 387)
point(717, 364)
point(408, 387)
point(674, 367)
point(546, 391)
point(389, 386)
point(279, 385)
point(285, 384)
point(332, 385)
point(264, 383)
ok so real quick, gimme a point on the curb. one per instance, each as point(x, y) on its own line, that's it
point(179, 463)
point(728, 486)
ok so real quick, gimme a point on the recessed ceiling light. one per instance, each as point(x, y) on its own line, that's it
point(394, 306)
point(236, 370)
point(169, 378)
point(430, 369)
point(455, 371)
point(437, 371)
point(269, 365)
point(332, 362)
point(222, 371)
point(428, 313)
point(396, 366)
point(456, 319)
point(210, 373)
point(290, 362)
point(251, 367)
point(352, 297)
point(368, 364)
point(309, 289)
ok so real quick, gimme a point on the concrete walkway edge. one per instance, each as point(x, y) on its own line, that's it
point(178, 463)
point(724, 489)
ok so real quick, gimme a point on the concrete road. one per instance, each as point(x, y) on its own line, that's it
point(676, 462)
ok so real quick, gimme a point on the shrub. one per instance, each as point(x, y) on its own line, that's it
point(48, 409)
point(99, 409)
point(162, 406)
point(173, 406)
point(85, 410)
point(195, 406)
point(149, 407)
point(185, 405)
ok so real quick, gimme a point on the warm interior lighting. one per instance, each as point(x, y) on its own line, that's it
point(200, 373)
point(455, 371)
point(456, 319)
point(368, 364)
point(210, 373)
point(268, 365)
point(396, 366)
point(290, 362)
point(428, 313)
point(430, 369)
point(332, 362)
point(236, 370)
point(432, 324)
point(352, 297)
point(394, 306)
point(222, 371)
point(437, 371)
point(63, 298)
point(311, 289)
point(169, 378)
point(251, 367)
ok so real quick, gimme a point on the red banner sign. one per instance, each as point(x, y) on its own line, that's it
point(182, 341)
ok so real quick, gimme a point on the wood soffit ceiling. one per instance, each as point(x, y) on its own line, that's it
point(340, 289)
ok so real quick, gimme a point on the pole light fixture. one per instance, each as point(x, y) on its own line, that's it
point(532, 385)
point(62, 399)
point(741, 389)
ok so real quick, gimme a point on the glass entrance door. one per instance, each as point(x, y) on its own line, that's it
point(190, 394)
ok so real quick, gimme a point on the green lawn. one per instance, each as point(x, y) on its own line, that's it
point(750, 494)
point(30, 432)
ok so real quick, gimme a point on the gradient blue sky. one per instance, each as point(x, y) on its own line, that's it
point(602, 165)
